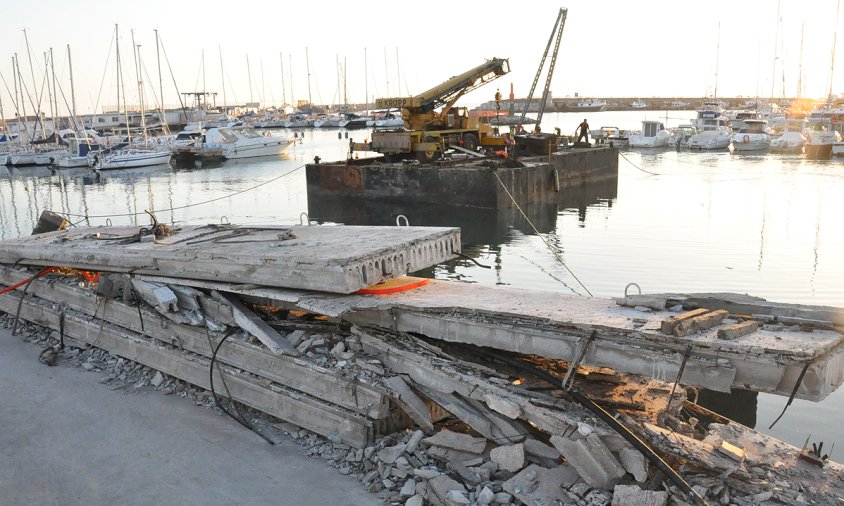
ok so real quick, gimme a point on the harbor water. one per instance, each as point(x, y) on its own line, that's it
point(674, 221)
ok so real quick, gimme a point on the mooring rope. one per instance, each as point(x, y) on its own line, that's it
point(550, 248)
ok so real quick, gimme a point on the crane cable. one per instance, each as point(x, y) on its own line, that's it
point(550, 248)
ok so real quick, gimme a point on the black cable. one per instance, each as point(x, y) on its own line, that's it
point(239, 420)
point(467, 257)
point(793, 393)
point(23, 296)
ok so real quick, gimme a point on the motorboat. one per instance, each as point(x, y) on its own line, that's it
point(737, 118)
point(390, 120)
point(792, 139)
point(677, 104)
point(588, 105)
point(245, 142)
point(822, 137)
point(682, 134)
point(653, 135)
point(714, 131)
point(353, 121)
point(299, 121)
point(327, 121)
point(638, 104)
point(131, 158)
point(611, 135)
point(752, 136)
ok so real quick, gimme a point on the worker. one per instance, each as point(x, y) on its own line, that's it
point(584, 131)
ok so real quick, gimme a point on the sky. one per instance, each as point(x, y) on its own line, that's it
point(608, 49)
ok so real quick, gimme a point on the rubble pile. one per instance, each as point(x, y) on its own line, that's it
point(444, 394)
point(418, 421)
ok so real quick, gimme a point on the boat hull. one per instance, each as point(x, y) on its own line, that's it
point(818, 151)
point(135, 160)
point(267, 149)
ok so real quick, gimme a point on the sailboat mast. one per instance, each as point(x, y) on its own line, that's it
point(204, 89)
point(366, 82)
point(717, 58)
point(337, 65)
point(776, 50)
point(249, 75)
point(37, 112)
point(72, 91)
point(51, 91)
point(386, 71)
point(20, 78)
point(283, 91)
point(290, 71)
point(15, 82)
point(308, 69)
point(160, 79)
point(223, 77)
point(117, 55)
point(136, 54)
point(263, 94)
point(834, 42)
point(800, 67)
point(122, 88)
point(345, 89)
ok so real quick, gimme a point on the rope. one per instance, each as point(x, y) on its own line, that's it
point(636, 166)
point(550, 248)
point(186, 206)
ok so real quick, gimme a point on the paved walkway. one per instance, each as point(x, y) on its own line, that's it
point(66, 439)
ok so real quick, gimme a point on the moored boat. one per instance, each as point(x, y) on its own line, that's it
point(752, 136)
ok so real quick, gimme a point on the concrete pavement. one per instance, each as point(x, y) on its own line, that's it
point(66, 439)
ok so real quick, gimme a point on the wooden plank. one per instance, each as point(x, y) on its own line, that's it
point(698, 323)
point(668, 325)
point(738, 330)
point(348, 392)
point(250, 322)
point(273, 399)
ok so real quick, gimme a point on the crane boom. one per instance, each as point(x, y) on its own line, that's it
point(447, 93)
point(558, 31)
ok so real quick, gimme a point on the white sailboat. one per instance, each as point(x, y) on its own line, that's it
point(131, 158)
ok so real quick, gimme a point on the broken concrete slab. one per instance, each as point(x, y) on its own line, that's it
point(539, 485)
point(503, 406)
point(339, 259)
point(540, 449)
point(592, 460)
point(410, 402)
point(156, 295)
point(634, 463)
point(253, 324)
point(628, 495)
point(737, 330)
point(442, 485)
point(510, 458)
point(457, 441)
point(699, 323)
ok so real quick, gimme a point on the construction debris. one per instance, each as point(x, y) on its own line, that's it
point(393, 389)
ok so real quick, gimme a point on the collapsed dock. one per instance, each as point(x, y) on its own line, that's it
point(446, 393)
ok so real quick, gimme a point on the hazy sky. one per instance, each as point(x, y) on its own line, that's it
point(609, 48)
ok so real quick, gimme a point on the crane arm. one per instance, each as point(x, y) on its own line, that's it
point(447, 93)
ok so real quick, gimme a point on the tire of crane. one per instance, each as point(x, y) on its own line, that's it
point(470, 141)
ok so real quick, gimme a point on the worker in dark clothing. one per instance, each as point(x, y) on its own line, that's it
point(584, 132)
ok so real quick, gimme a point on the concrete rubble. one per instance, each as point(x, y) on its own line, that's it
point(418, 419)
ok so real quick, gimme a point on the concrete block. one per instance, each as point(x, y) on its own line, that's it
point(486, 496)
point(539, 485)
point(592, 460)
point(414, 440)
point(442, 485)
point(501, 405)
point(455, 497)
point(416, 500)
point(540, 449)
point(409, 488)
point(632, 495)
point(634, 462)
point(188, 297)
point(389, 454)
point(510, 458)
point(457, 441)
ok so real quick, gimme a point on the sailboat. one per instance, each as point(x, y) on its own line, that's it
point(823, 135)
point(131, 158)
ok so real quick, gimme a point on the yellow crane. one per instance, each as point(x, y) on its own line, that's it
point(432, 123)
